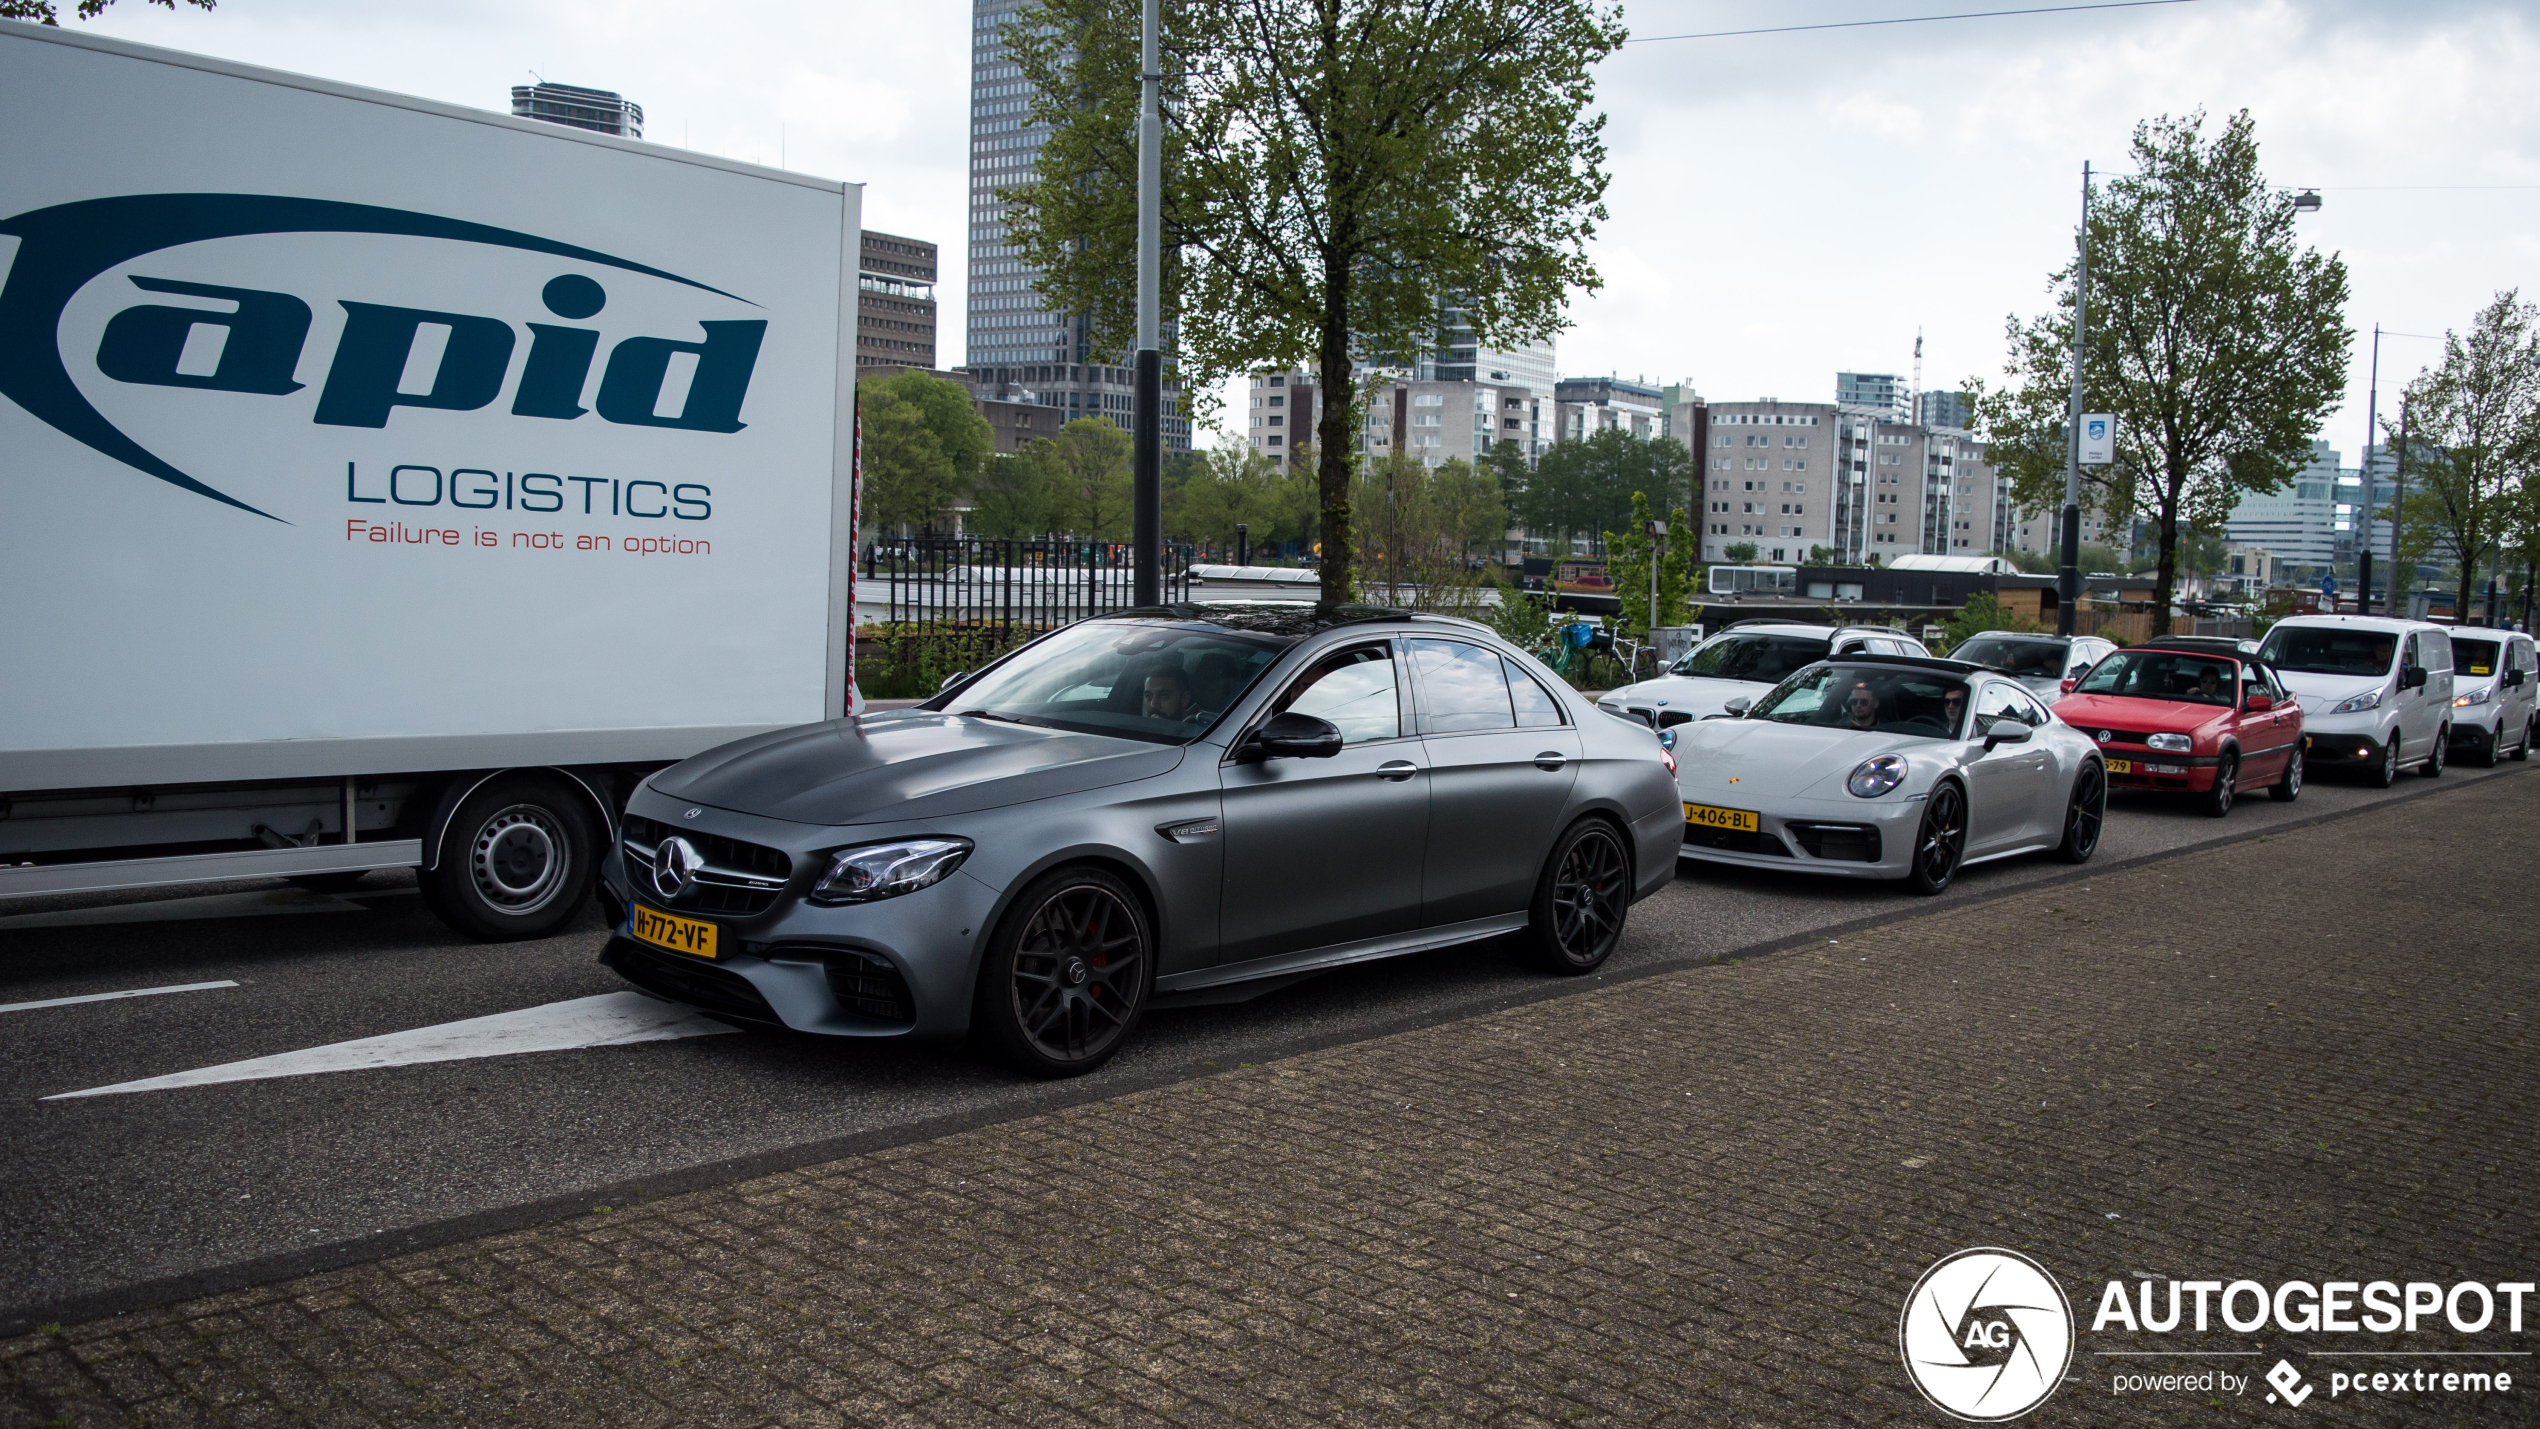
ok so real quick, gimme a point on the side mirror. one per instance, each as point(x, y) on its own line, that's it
point(2513, 678)
point(1737, 707)
point(2005, 729)
point(2412, 678)
point(1291, 736)
point(2260, 704)
point(955, 678)
point(2071, 683)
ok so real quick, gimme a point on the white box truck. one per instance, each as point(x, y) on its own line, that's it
point(385, 483)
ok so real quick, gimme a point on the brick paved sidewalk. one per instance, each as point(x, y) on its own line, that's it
point(1695, 1198)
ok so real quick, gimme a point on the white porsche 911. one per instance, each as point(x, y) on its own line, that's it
point(1872, 766)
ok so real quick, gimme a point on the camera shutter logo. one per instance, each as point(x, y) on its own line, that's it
point(675, 866)
point(1986, 1335)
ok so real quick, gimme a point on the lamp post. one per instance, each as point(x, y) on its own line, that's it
point(2068, 579)
point(2363, 512)
point(1146, 493)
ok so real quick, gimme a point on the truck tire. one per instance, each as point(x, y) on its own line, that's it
point(517, 860)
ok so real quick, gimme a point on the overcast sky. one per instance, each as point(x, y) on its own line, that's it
point(1784, 206)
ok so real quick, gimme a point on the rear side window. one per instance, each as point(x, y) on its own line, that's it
point(1536, 708)
point(1461, 688)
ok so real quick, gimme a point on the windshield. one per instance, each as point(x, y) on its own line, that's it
point(2474, 657)
point(1148, 680)
point(1763, 659)
point(1864, 697)
point(2328, 650)
point(2165, 675)
point(2029, 659)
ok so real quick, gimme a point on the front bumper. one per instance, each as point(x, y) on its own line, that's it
point(2357, 738)
point(899, 967)
point(2156, 771)
point(1832, 838)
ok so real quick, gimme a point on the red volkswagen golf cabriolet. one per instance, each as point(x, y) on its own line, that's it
point(2190, 720)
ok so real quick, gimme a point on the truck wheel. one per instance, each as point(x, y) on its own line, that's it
point(517, 860)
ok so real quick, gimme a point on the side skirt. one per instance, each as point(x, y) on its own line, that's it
point(1315, 960)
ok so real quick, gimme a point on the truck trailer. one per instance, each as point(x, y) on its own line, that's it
point(391, 484)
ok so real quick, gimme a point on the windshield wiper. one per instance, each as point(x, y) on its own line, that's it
point(1007, 718)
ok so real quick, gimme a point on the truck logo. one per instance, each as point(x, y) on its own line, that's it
point(63, 248)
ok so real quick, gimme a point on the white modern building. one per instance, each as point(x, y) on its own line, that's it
point(1429, 419)
point(1793, 477)
point(1883, 392)
point(2311, 522)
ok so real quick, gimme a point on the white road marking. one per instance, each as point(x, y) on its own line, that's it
point(111, 996)
point(608, 1020)
point(251, 904)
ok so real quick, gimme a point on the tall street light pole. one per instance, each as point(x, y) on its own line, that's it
point(1146, 494)
point(2398, 498)
point(2363, 513)
point(2068, 581)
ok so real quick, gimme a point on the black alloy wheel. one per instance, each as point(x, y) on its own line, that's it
point(2289, 787)
point(2432, 768)
point(2085, 814)
point(2385, 771)
point(1068, 975)
point(1941, 841)
point(2217, 801)
point(1581, 899)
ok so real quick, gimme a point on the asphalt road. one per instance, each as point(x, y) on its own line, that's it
point(114, 1201)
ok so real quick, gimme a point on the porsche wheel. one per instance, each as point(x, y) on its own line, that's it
point(2084, 814)
point(1940, 843)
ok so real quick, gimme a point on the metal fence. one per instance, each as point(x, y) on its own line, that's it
point(1007, 587)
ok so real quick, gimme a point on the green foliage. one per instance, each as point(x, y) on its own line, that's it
point(1233, 484)
point(907, 662)
point(1087, 467)
point(1586, 486)
point(1332, 168)
point(42, 12)
point(2473, 447)
point(925, 444)
point(1628, 556)
point(1016, 498)
point(2218, 340)
point(1981, 613)
point(1738, 553)
point(1429, 539)
point(1522, 618)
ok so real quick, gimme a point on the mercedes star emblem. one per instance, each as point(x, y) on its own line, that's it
point(675, 866)
point(692, 813)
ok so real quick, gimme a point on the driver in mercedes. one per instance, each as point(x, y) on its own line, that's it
point(1166, 696)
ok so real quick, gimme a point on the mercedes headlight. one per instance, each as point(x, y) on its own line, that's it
point(2475, 697)
point(887, 870)
point(2174, 743)
point(1876, 776)
point(2369, 699)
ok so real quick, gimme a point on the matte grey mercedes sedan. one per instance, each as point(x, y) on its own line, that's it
point(1181, 803)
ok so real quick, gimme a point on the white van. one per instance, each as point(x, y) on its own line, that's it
point(2493, 694)
point(2376, 693)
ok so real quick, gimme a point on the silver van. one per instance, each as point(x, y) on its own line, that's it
point(2493, 694)
point(2376, 693)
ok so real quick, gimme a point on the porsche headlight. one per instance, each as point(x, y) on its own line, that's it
point(887, 870)
point(2475, 697)
point(2174, 743)
point(2369, 699)
point(1874, 777)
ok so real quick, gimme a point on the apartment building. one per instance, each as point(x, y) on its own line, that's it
point(602, 111)
point(1883, 392)
point(1430, 419)
point(1588, 405)
point(895, 302)
point(1789, 477)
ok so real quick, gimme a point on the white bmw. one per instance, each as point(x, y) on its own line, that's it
point(1897, 767)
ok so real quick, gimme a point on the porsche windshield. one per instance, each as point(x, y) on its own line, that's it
point(2328, 650)
point(1869, 697)
point(2164, 675)
point(2028, 659)
point(1760, 658)
point(1152, 680)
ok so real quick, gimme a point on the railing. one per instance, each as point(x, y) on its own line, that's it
point(1006, 587)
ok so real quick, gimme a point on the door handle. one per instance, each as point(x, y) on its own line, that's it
point(1551, 761)
point(1396, 770)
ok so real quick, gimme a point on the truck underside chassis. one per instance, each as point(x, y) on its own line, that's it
point(497, 854)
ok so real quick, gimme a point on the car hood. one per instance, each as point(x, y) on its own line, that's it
point(1698, 695)
point(906, 766)
point(2321, 693)
point(1745, 762)
point(2092, 713)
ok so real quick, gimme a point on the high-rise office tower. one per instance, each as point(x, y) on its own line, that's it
point(1016, 348)
point(604, 111)
point(1882, 392)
